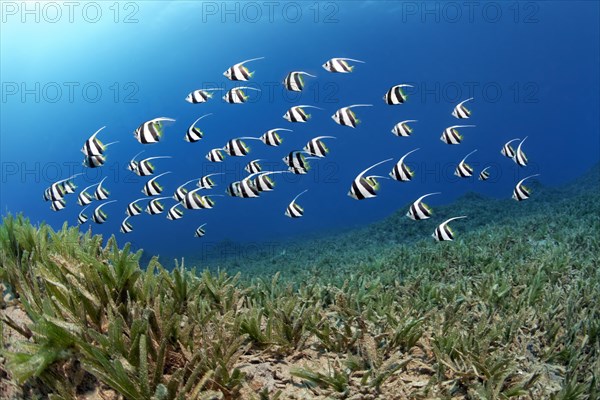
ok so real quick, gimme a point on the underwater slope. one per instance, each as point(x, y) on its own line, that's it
point(508, 310)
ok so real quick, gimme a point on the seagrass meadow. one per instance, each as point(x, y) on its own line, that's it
point(507, 311)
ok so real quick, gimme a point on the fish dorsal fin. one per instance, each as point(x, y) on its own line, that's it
point(406, 155)
point(465, 159)
point(350, 59)
point(371, 167)
point(247, 61)
point(446, 222)
point(464, 101)
point(420, 199)
point(524, 179)
point(205, 115)
point(158, 176)
point(307, 106)
point(299, 194)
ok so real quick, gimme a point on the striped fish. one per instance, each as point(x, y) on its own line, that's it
point(340, 65)
point(47, 194)
point(234, 189)
point(99, 216)
point(253, 166)
point(396, 95)
point(239, 72)
point(174, 213)
point(194, 133)
point(401, 172)
point(443, 232)
point(365, 188)
point(464, 170)
point(520, 158)
point(507, 149)
point(93, 146)
point(152, 188)
point(460, 111)
point(155, 206)
point(200, 95)
point(419, 210)
point(132, 165)
point(316, 147)
point(272, 138)
point(244, 188)
point(297, 160)
point(69, 187)
point(101, 192)
point(126, 226)
point(297, 113)
point(181, 191)
point(145, 167)
point(346, 117)
point(58, 205)
point(200, 232)
point(264, 183)
point(237, 95)
point(484, 175)
point(298, 171)
point(151, 131)
point(84, 198)
point(82, 218)
point(236, 148)
point(206, 183)
point(193, 201)
point(293, 209)
point(294, 81)
point(58, 190)
point(133, 208)
point(451, 135)
point(522, 192)
point(401, 129)
point(215, 155)
point(94, 161)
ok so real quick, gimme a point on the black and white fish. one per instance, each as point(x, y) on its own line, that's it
point(316, 147)
point(419, 210)
point(297, 160)
point(294, 80)
point(396, 95)
point(94, 161)
point(59, 189)
point(194, 133)
point(484, 175)
point(272, 138)
point(215, 155)
point(237, 95)
point(245, 188)
point(206, 182)
point(200, 231)
point(237, 147)
point(93, 146)
point(340, 65)
point(253, 166)
point(193, 201)
point(145, 167)
point(153, 188)
point(84, 198)
point(174, 213)
point(460, 111)
point(298, 171)
point(239, 72)
point(443, 232)
point(181, 191)
point(68, 184)
point(58, 205)
point(101, 192)
point(133, 208)
point(346, 117)
point(132, 165)
point(297, 113)
point(365, 187)
point(99, 216)
point(401, 172)
point(155, 206)
point(508, 150)
point(451, 135)
point(82, 218)
point(264, 183)
point(522, 192)
point(293, 209)
point(520, 158)
point(464, 170)
point(402, 129)
point(151, 131)
point(126, 226)
point(200, 95)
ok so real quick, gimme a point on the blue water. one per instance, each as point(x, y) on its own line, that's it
point(532, 68)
